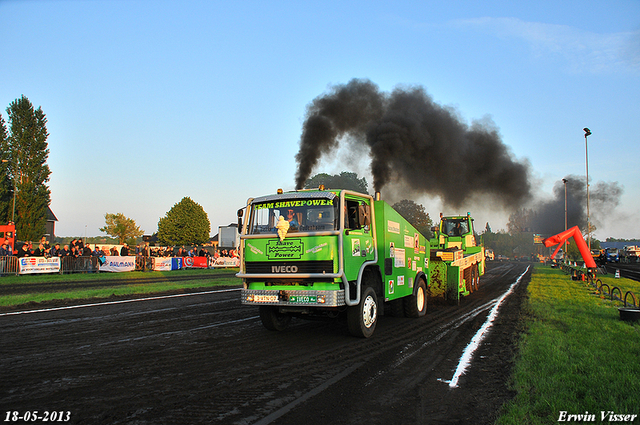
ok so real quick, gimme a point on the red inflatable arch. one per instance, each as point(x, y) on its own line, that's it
point(577, 236)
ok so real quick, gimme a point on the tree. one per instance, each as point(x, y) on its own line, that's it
point(520, 221)
point(344, 180)
point(185, 224)
point(416, 215)
point(121, 227)
point(26, 154)
point(6, 185)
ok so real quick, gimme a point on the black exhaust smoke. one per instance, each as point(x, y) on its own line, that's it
point(414, 142)
point(548, 217)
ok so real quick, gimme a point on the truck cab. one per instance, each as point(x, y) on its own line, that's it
point(612, 255)
point(327, 252)
point(455, 232)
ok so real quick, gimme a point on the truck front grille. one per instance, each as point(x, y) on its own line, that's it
point(288, 267)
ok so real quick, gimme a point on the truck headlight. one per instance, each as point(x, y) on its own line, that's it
point(321, 299)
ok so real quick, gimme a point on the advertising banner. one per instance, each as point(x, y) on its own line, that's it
point(176, 263)
point(39, 265)
point(162, 263)
point(226, 262)
point(195, 262)
point(118, 264)
point(167, 263)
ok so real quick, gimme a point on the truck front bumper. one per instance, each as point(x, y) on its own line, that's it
point(292, 298)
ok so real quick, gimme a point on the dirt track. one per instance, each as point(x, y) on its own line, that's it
point(204, 358)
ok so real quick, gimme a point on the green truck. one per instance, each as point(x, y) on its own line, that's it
point(311, 253)
point(457, 260)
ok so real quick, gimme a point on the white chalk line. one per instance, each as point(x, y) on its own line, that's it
point(467, 355)
point(13, 313)
point(409, 350)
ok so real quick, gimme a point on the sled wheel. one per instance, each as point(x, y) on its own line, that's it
point(272, 319)
point(476, 277)
point(362, 318)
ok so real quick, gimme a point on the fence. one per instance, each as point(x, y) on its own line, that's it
point(577, 274)
point(12, 265)
point(79, 265)
point(9, 265)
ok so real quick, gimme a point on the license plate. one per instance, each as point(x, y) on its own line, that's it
point(265, 298)
point(303, 299)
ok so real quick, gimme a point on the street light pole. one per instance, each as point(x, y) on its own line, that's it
point(564, 255)
point(13, 213)
point(587, 133)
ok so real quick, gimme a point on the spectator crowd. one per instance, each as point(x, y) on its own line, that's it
point(77, 248)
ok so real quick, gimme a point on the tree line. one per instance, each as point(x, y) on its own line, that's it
point(515, 242)
point(186, 223)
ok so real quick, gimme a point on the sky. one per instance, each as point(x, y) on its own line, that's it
point(149, 102)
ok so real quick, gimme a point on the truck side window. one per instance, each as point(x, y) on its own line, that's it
point(351, 215)
point(357, 215)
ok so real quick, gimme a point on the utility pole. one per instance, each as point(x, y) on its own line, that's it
point(587, 133)
point(564, 255)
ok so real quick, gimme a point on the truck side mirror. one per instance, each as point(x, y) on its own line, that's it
point(240, 214)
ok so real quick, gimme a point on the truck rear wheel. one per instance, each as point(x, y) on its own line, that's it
point(415, 305)
point(362, 318)
point(468, 279)
point(475, 272)
point(272, 319)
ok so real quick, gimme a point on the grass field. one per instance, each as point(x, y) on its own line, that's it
point(201, 279)
point(575, 355)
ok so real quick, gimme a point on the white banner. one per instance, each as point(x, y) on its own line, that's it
point(118, 264)
point(162, 263)
point(39, 265)
point(226, 262)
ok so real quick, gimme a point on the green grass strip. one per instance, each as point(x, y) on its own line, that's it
point(89, 277)
point(575, 354)
point(201, 279)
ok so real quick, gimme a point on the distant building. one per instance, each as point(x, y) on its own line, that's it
point(50, 229)
point(618, 245)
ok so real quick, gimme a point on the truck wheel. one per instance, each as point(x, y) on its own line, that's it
point(362, 318)
point(272, 319)
point(468, 277)
point(476, 277)
point(416, 305)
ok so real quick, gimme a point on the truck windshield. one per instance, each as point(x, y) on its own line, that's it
point(303, 215)
point(455, 227)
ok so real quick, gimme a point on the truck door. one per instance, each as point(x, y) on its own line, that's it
point(358, 238)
